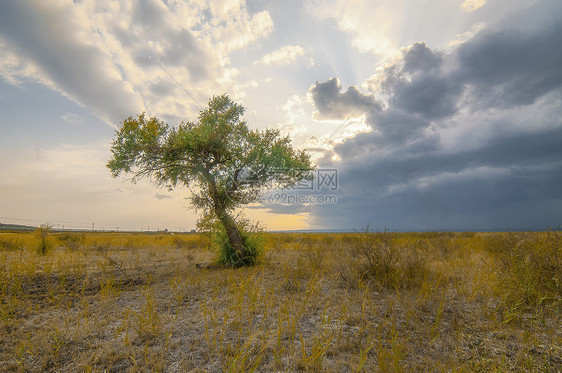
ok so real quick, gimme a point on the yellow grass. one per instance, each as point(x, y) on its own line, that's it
point(388, 302)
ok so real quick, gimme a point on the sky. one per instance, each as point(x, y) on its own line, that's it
point(419, 114)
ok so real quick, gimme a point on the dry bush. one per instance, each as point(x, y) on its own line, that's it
point(10, 244)
point(45, 243)
point(184, 243)
point(445, 244)
point(530, 265)
point(378, 257)
point(315, 255)
point(73, 240)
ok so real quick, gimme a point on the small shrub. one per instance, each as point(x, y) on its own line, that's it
point(315, 255)
point(253, 242)
point(501, 244)
point(446, 246)
point(42, 233)
point(253, 239)
point(188, 242)
point(530, 269)
point(73, 240)
point(10, 244)
point(375, 256)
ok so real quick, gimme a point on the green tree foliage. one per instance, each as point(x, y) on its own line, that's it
point(224, 163)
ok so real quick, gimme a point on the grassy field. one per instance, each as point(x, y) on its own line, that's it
point(388, 302)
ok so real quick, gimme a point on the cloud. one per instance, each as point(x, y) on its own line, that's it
point(472, 5)
point(429, 95)
point(238, 30)
point(419, 58)
point(72, 118)
point(462, 139)
point(102, 54)
point(238, 91)
point(512, 67)
point(370, 28)
point(294, 109)
point(467, 35)
point(382, 27)
point(74, 66)
point(282, 56)
point(162, 196)
point(331, 104)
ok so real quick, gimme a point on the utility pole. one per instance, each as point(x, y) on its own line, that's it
point(92, 228)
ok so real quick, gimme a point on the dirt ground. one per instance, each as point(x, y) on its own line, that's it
point(316, 302)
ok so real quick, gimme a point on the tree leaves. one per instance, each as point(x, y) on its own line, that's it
point(227, 163)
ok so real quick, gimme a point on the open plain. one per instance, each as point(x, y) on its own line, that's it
point(388, 302)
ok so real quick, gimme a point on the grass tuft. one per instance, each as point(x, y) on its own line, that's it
point(368, 301)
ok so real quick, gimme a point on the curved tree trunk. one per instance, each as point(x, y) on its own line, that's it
point(232, 231)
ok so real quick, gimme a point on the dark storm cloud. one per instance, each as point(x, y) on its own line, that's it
point(432, 96)
point(512, 67)
point(512, 153)
point(330, 103)
point(419, 86)
point(398, 125)
point(419, 58)
point(468, 139)
point(420, 186)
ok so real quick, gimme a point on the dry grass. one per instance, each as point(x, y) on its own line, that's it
point(383, 302)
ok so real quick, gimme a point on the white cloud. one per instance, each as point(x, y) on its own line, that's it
point(282, 56)
point(13, 68)
point(162, 196)
point(237, 31)
point(474, 29)
point(57, 40)
point(238, 91)
point(294, 108)
point(370, 25)
point(98, 52)
point(383, 27)
point(72, 118)
point(472, 5)
point(222, 10)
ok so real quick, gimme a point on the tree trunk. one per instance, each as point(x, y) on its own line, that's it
point(233, 233)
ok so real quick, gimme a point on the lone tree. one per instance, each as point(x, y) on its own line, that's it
point(224, 163)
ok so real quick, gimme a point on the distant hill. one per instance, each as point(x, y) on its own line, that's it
point(15, 227)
